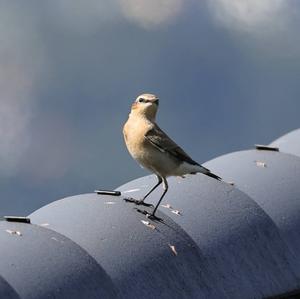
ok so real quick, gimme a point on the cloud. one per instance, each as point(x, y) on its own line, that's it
point(24, 61)
point(15, 113)
point(19, 68)
point(83, 16)
point(250, 15)
point(50, 153)
point(151, 14)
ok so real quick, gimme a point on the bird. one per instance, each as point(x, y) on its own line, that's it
point(154, 150)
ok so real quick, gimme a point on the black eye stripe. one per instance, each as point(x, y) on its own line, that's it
point(142, 100)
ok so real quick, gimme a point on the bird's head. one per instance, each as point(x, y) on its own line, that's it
point(146, 104)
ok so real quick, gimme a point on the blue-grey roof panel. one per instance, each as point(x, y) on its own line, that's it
point(272, 180)
point(39, 263)
point(137, 256)
point(289, 143)
point(6, 291)
point(216, 240)
point(231, 230)
point(220, 237)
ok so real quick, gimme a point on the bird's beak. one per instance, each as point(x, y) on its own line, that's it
point(156, 101)
point(134, 105)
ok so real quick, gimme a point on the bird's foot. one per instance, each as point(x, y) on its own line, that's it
point(154, 218)
point(145, 204)
point(138, 202)
point(150, 216)
point(130, 199)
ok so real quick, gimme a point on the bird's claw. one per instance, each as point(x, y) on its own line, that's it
point(138, 202)
point(143, 212)
point(130, 199)
point(145, 204)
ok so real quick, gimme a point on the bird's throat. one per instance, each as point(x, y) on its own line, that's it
point(148, 114)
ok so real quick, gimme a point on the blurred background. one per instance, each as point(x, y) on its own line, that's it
point(227, 73)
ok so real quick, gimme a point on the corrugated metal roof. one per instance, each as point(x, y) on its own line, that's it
point(220, 237)
point(39, 263)
point(238, 240)
point(272, 180)
point(6, 291)
point(216, 240)
point(289, 143)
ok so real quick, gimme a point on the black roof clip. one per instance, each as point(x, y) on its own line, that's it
point(262, 147)
point(108, 192)
point(17, 219)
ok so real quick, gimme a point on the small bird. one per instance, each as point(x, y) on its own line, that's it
point(154, 149)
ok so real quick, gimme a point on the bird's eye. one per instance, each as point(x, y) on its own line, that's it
point(141, 100)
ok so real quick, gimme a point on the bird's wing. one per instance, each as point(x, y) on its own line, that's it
point(157, 137)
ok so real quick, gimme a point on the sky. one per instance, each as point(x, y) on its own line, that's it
point(227, 74)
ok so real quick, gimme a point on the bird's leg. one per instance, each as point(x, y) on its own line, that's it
point(166, 187)
point(141, 202)
point(158, 183)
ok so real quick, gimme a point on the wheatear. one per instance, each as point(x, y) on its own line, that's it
point(153, 149)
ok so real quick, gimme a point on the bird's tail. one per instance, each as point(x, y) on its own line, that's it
point(212, 175)
point(209, 173)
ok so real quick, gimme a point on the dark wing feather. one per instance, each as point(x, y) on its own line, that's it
point(157, 137)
